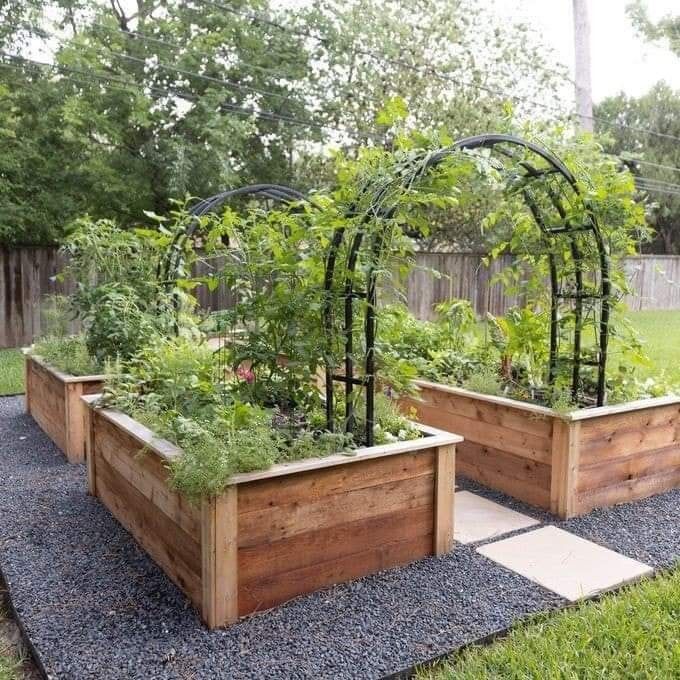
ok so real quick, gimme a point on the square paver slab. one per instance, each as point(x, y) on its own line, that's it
point(566, 564)
point(478, 519)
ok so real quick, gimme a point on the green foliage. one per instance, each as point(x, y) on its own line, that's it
point(11, 371)
point(127, 132)
point(68, 354)
point(172, 387)
point(658, 109)
point(391, 426)
point(485, 381)
point(666, 29)
point(161, 104)
point(446, 349)
point(118, 295)
point(521, 338)
point(116, 322)
point(55, 316)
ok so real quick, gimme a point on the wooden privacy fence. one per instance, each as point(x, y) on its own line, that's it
point(27, 275)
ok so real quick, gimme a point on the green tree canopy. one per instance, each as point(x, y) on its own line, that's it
point(666, 29)
point(140, 102)
point(654, 158)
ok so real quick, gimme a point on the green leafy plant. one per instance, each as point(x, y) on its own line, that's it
point(68, 354)
point(485, 381)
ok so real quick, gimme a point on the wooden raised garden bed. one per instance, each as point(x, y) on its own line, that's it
point(568, 464)
point(54, 400)
point(281, 532)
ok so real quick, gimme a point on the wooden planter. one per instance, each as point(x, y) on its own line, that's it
point(54, 400)
point(568, 464)
point(281, 532)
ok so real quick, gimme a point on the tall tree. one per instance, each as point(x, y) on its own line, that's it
point(146, 104)
point(142, 101)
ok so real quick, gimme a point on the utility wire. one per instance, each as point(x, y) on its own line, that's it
point(257, 113)
point(642, 184)
point(145, 37)
point(433, 72)
point(639, 161)
point(658, 182)
point(193, 74)
point(176, 69)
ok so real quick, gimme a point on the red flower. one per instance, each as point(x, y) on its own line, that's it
point(246, 374)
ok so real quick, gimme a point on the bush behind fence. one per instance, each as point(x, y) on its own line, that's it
point(27, 275)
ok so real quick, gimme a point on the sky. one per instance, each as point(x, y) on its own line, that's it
point(620, 60)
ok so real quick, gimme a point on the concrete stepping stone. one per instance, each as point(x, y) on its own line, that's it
point(566, 564)
point(479, 519)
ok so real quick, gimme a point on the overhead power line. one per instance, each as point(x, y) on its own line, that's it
point(433, 72)
point(145, 37)
point(639, 161)
point(658, 182)
point(256, 113)
point(322, 40)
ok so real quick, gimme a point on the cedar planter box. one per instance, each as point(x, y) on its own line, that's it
point(278, 533)
point(53, 399)
point(567, 464)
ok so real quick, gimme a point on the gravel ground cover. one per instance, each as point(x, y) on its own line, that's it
point(94, 606)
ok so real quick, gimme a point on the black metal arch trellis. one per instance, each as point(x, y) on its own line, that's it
point(537, 170)
point(170, 265)
point(169, 269)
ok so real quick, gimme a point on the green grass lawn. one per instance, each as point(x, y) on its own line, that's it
point(11, 371)
point(661, 333)
point(633, 634)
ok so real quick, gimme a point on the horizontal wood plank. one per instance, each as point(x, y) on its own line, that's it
point(304, 550)
point(283, 521)
point(314, 485)
point(597, 429)
point(268, 592)
point(624, 443)
point(175, 551)
point(500, 415)
point(147, 474)
point(48, 402)
point(522, 444)
point(634, 466)
point(524, 490)
point(628, 491)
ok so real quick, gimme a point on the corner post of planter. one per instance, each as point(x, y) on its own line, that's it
point(75, 428)
point(89, 436)
point(565, 465)
point(445, 474)
point(219, 550)
point(27, 379)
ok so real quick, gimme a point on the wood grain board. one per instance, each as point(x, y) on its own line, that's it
point(262, 542)
point(569, 464)
point(53, 399)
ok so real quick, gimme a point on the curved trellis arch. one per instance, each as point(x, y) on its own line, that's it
point(550, 191)
point(170, 266)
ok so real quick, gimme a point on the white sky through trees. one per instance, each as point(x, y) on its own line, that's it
point(621, 60)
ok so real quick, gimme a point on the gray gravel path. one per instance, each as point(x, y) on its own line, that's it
point(95, 606)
